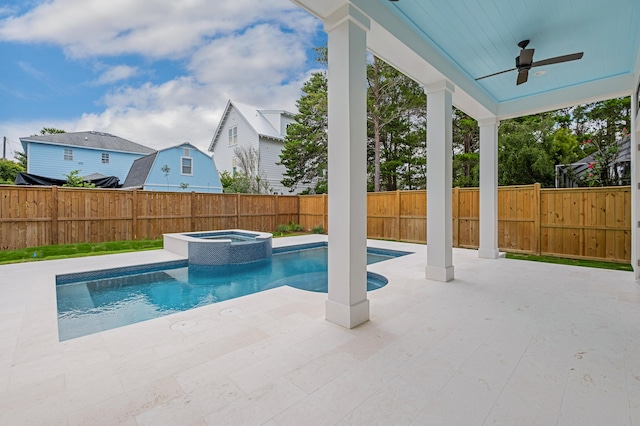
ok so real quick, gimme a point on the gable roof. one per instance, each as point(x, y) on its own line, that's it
point(139, 171)
point(141, 167)
point(254, 117)
point(91, 139)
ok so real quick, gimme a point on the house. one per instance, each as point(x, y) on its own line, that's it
point(179, 168)
point(244, 127)
point(57, 155)
point(570, 175)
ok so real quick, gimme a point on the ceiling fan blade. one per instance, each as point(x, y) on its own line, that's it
point(558, 59)
point(495, 73)
point(523, 76)
point(525, 58)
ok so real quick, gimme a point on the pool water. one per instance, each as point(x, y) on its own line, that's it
point(116, 300)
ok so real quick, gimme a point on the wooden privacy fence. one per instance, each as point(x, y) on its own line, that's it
point(586, 223)
point(36, 216)
point(590, 223)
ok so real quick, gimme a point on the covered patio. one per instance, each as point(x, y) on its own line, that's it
point(449, 47)
point(510, 342)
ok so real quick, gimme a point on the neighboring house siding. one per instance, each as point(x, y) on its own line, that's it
point(204, 176)
point(269, 156)
point(223, 154)
point(48, 160)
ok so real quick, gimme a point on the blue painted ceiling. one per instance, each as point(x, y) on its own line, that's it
point(481, 37)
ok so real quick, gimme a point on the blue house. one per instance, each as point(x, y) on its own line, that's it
point(179, 168)
point(92, 153)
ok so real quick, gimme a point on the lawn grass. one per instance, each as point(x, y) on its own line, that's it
point(574, 262)
point(64, 251)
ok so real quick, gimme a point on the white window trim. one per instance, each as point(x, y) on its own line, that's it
point(233, 136)
point(67, 154)
point(105, 156)
point(182, 167)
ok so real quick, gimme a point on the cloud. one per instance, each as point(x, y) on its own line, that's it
point(116, 73)
point(147, 27)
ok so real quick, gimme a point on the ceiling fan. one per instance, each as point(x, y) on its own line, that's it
point(524, 62)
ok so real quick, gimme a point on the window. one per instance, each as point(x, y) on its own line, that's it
point(187, 166)
point(234, 166)
point(187, 152)
point(105, 158)
point(68, 154)
point(233, 136)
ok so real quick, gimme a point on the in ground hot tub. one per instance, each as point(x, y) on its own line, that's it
point(228, 247)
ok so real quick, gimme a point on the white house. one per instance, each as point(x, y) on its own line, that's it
point(243, 127)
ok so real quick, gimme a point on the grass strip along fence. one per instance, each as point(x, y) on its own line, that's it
point(580, 223)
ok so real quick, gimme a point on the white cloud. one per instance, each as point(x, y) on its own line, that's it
point(116, 73)
point(146, 27)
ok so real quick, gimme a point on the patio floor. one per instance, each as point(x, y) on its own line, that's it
point(506, 342)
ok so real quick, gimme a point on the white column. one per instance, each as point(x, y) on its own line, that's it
point(347, 303)
point(439, 179)
point(635, 190)
point(488, 188)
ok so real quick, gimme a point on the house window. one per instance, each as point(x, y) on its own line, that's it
point(105, 158)
point(234, 166)
point(187, 152)
point(233, 136)
point(187, 166)
point(68, 154)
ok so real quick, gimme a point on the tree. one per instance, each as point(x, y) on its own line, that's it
point(250, 167)
point(236, 183)
point(305, 148)
point(9, 170)
point(51, 131)
point(21, 157)
point(523, 156)
point(396, 112)
point(466, 142)
point(74, 180)
point(166, 170)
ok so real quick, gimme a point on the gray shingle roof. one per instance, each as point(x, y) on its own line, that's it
point(139, 171)
point(97, 140)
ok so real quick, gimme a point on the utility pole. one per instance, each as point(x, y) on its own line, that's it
point(4, 148)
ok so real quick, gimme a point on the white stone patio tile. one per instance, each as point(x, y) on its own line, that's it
point(321, 370)
point(127, 405)
point(308, 411)
point(18, 396)
point(322, 338)
point(268, 371)
point(191, 407)
point(46, 411)
point(395, 403)
point(161, 368)
point(259, 406)
point(367, 341)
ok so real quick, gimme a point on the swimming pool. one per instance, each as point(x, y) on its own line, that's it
point(101, 300)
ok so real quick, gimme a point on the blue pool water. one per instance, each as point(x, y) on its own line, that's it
point(102, 300)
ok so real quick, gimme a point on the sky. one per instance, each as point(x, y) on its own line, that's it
point(158, 73)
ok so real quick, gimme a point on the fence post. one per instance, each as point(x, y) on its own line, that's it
point(238, 210)
point(134, 213)
point(398, 206)
point(54, 215)
point(277, 211)
point(193, 211)
point(456, 216)
point(324, 209)
point(536, 218)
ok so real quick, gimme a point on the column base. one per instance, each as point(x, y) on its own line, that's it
point(488, 253)
point(347, 316)
point(436, 273)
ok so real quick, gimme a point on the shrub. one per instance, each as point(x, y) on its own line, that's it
point(318, 229)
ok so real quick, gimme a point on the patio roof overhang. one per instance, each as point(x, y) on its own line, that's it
point(446, 47)
point(431, 40)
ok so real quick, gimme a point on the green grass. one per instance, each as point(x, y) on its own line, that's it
point(31, 254)
point(574, 262)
